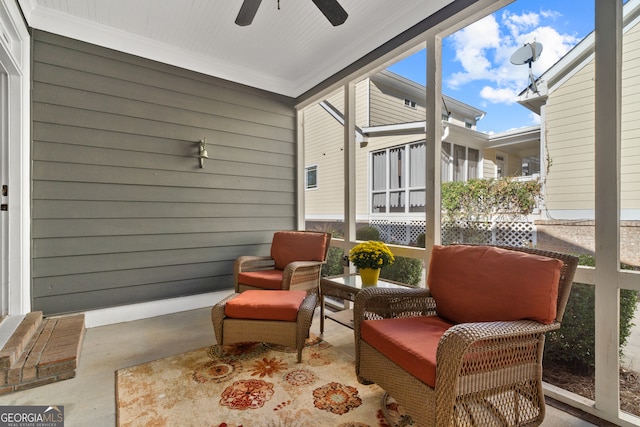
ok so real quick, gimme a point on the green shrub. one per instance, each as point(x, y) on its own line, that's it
point(404, 270)
point(573, 345)
point(367, 233)
point(333, 266)
point(482, 199)
point(420, 240)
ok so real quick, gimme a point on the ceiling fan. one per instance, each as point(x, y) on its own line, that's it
point(330, 8)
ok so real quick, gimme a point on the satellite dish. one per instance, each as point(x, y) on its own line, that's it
point(528, 54)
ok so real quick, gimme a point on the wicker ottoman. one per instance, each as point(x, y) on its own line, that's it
point(276, 317)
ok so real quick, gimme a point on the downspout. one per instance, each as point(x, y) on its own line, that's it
point(445, 133)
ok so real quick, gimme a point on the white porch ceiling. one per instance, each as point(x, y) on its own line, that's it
point(287, 51)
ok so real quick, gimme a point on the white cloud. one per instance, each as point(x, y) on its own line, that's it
point(484, 49)
point(534, 119)
point(517, 23)
point(498, 95)
point(550, 14)
point(472, 46)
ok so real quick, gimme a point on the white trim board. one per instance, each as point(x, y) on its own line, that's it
point(128, 313)
point(15, 57)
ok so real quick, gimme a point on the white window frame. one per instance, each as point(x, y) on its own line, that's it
point(15, 58)
point(410, 104)
point(449, 167)
point(308, 169)
point(406, 188)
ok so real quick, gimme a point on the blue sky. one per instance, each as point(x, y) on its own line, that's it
point(476, 67)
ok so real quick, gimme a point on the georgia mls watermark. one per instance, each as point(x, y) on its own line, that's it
point(31, 416)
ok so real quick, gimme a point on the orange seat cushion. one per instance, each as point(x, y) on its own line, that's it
point(265, 305)
point(410, 342)
point(482, 284)
point(265, 279)
point(290, 246)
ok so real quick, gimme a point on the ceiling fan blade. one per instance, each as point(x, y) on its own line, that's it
point(247, 12)
point(332, 10)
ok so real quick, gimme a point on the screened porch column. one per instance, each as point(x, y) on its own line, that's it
point(608, 71)
point(349, 164)
point(433, 144)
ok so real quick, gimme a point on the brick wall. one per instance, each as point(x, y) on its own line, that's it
point(579, 237)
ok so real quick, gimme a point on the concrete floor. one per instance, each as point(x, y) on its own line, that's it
point(89, 398)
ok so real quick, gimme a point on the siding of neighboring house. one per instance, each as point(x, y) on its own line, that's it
point(569, 141)
point(122, 213)
point(324, 140)
point(489, 163)
point(630, 127)
point(456, 119)
point(324, 136)
point(363, 108)
point(570, 135)
point(387, 106)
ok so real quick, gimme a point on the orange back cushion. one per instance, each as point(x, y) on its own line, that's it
point(290, 246)
point(481, 284)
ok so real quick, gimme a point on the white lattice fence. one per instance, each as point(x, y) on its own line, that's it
point(416, 228)
point(466, 232)
point(402, 232)
point(514, 233)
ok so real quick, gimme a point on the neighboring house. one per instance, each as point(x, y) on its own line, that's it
point(565, 102)
point(390, 154)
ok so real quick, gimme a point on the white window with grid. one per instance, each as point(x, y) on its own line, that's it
point(311, 177)
point(398, 179)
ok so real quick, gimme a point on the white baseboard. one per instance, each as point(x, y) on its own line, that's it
point(128, 313)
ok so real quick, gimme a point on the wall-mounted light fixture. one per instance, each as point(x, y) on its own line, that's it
point(202, 153)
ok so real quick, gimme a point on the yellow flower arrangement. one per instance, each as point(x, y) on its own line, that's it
point(371, 254)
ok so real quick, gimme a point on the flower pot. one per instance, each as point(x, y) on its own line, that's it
point(369, 276)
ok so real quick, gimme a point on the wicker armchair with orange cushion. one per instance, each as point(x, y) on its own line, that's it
point(468, 350)
point(294, 263)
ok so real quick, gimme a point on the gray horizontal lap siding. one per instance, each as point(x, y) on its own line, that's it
point(121, 211)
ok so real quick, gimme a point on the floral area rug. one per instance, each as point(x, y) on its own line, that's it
point(251, 385)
